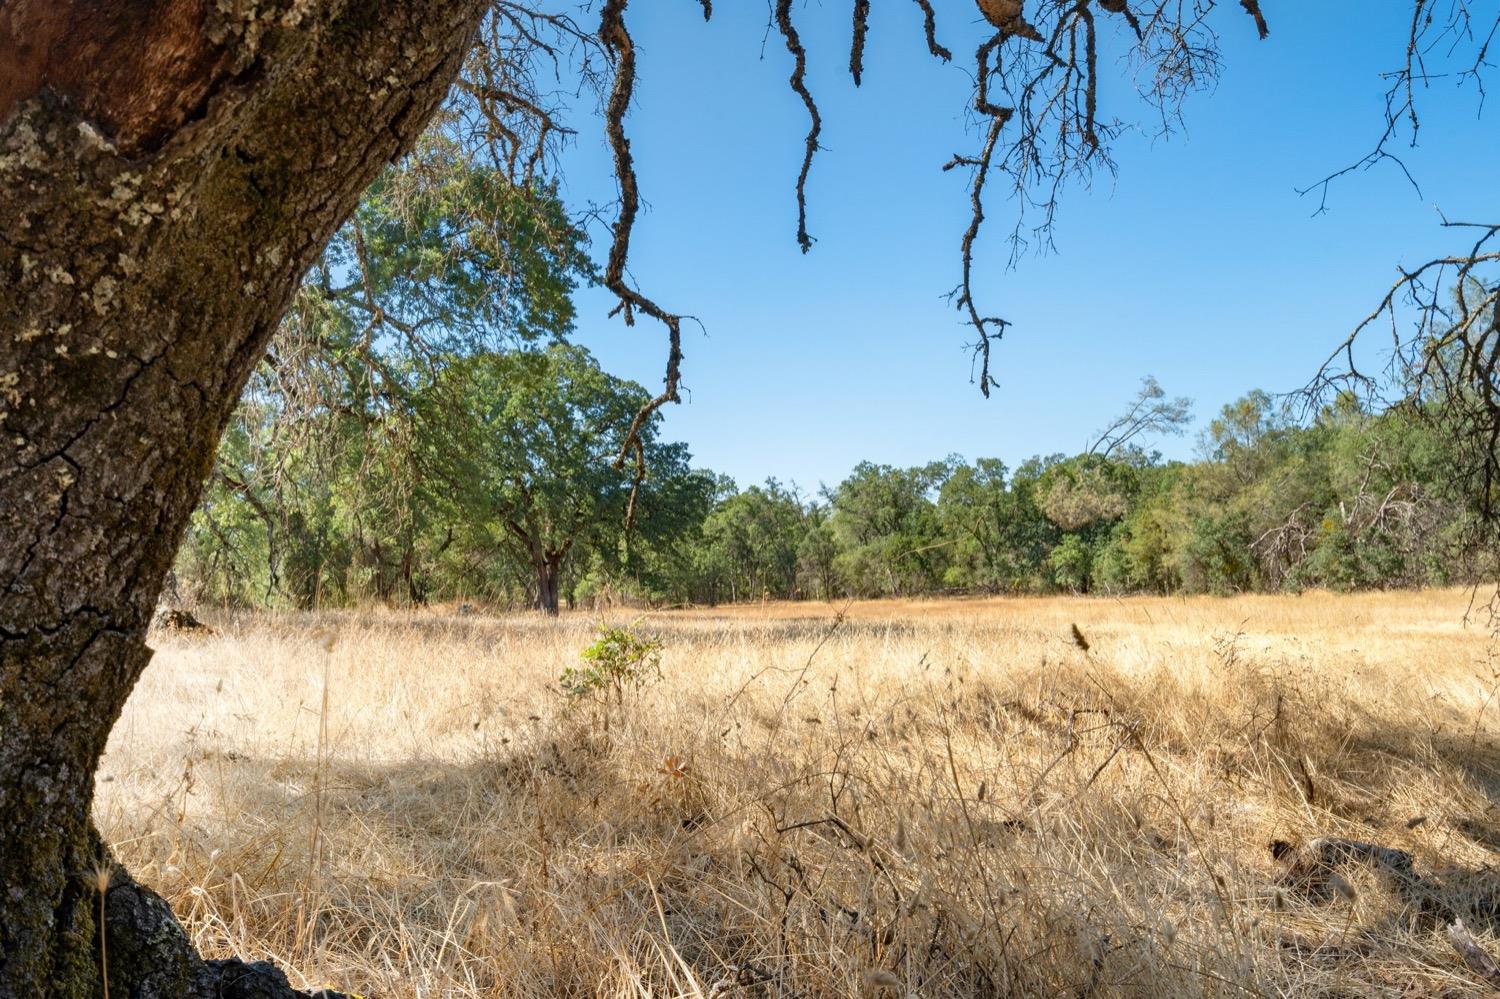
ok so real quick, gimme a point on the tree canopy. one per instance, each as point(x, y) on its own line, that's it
point(517, 503)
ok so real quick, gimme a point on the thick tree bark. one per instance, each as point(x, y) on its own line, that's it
point(168, 170)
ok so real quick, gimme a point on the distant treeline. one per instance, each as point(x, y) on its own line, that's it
point(499, 488)
point(422, 430)
point(1348, 500)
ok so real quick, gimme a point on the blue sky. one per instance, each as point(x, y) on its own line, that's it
point(1198, 263)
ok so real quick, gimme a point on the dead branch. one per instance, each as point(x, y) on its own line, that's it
point(929, 27)
point(1461, 37)
point(616, 38)
point(799, 86)
point(1476, 957)
point(857, 48)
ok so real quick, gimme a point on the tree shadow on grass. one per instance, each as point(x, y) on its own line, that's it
point(553, 868)
point(548, 862)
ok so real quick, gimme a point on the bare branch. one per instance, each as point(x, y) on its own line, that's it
point(501, 107)
point(616, 39)
point(799, 85)
point(1428, 34)
point(929, 26)
point(1150, 412)
point(857, 49)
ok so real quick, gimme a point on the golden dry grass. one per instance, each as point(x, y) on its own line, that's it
point(927, 798)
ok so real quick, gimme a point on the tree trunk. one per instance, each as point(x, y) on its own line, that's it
point(168, 171)
point(548, 575)
point(415, 596)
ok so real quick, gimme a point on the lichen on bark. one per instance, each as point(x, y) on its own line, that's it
point(150, 239)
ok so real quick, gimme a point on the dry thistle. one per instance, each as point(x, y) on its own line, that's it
point(103, 875)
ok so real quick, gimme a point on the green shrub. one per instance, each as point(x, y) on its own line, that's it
point(618, 658)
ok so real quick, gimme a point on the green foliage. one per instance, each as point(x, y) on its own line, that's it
point(752, 542)
point(407, 438)
point(454, 247)
point(422, 430)
point(886, 524)
point(1143, 547)
point(999, 535)
point(817, 556)
point(618, 659)
point(1086, 492)
point(526, 445)
point(1216, 557)
point(1072, 563)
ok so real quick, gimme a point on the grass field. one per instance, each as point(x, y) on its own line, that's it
point(911, 798)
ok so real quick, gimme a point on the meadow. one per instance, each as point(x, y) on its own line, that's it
point(927, 798)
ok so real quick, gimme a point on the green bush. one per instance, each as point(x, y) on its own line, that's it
point(618, 658)
point(1217, 558)
point(1071, 561)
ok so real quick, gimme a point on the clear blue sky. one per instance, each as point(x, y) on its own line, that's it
point(1198, 264)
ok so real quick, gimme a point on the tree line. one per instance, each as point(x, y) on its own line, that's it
point(526, 509)
point(423, 430)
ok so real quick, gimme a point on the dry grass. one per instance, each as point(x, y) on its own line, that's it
point(935, 799)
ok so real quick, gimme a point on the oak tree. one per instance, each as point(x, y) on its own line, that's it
point(527, 451)
point(168, 172)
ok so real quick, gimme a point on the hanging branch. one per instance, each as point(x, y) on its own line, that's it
point(1443, 316)
point(1046, 64)
point(500, 108)
point(1427, 33)
point(929, 27)
point(988, 328)
point(799, 85)
point(617, 41)
point(857, 50)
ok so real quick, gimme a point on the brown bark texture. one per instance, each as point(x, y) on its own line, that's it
point(548, 583)
point(168, 171)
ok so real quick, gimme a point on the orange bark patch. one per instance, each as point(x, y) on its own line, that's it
point(136, 69)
